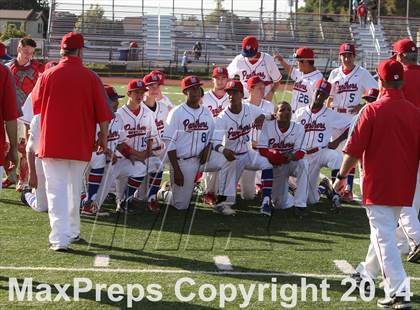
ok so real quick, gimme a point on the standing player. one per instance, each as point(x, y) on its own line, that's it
point(187, 134)
point(161, 97)
point(250, 181)
point(304, 76)
point(232, 139)
point(349, 82)
point(155, 163)
point(26, 71)
point(252, 62)
point(216, 100)
point(281, 142)
point(319, 123)
point(92, 203)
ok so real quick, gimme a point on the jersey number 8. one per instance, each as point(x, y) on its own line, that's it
point(204, 137)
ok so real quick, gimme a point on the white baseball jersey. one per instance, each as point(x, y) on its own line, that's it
point(27, 114)
point(268, 108)
point(234, 130)
point(188, 130)
point(265, 68)
point(303, 88)
point(165, 100)
point(215, 104)
point(290, 141)
point(319, 126)
point(34, 135)
point(116, 132)
point(139, 128)
point(347, 90)
point(160, 114)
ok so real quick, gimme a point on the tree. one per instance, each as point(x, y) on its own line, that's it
point(12, 32)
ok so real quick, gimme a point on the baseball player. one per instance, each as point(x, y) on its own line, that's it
point(304, 76)
point(155, 163)
point(252, 62)
point(187, 134)
point(232, 138)
point(250, 181)
point(161, 97)
point(26, 71)
point(349, 82)
point(281, 141)
point(116, 135)
point(216, 100)
point(139, 125)
point(319, 123)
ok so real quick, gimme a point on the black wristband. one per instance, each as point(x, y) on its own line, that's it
point(340, 177)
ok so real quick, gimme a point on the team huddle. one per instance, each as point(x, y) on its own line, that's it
point(232, 134)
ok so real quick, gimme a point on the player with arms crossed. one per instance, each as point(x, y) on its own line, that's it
point(216, 100)
point(304, 76)
point(281, 142)
point(252, 62)
point(319, 123)
point(349, 83)
point(187, 134)
point(232, 139)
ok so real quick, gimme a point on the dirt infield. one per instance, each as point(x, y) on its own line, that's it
point(207, 83)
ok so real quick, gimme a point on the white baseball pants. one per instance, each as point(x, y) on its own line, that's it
point(63, 185)
point(280, 193)
point(181, 195)
point(323, 158)
point(41, 202)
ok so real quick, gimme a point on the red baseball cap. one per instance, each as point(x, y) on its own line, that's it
point(371, 93)
point(252, 81)
point(3, 53)
point(234, 85)
point(347, 48)
point(403, 46)
point(190, 81)
point(304, 53)
point(136, 84)
point(72, 40)
point(249, 46)
point(112, 94)
point(220, 71)
point(160, 74)
point(390, 70)
point(51, 64)
point(324, 86)
point(150, 79)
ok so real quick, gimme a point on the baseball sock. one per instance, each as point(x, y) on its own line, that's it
point(350, 179)
point(267, 182)
point(155, 179)
point(31, 199)
point(94, 180)
point(132, 185)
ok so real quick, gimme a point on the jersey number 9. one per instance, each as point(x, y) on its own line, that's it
point(320, 137)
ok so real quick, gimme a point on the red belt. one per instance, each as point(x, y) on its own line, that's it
point(340, 110)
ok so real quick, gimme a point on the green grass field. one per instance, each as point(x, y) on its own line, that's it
point(147, 249)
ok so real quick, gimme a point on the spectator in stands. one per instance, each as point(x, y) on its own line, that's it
point(185, 61)
point(362, 14)
point(197, 50)
point(355, 4)
point(372, 9)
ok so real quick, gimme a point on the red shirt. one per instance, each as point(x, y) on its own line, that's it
point(361, 10)
point(387, 138)
point(71, 101)
point(25, 78)
point(8, 107)
point(410, 87)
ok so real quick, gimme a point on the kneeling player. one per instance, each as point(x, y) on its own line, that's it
point(281, 142)
point(231, 138)
point(319, 122)
point(187, 134)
